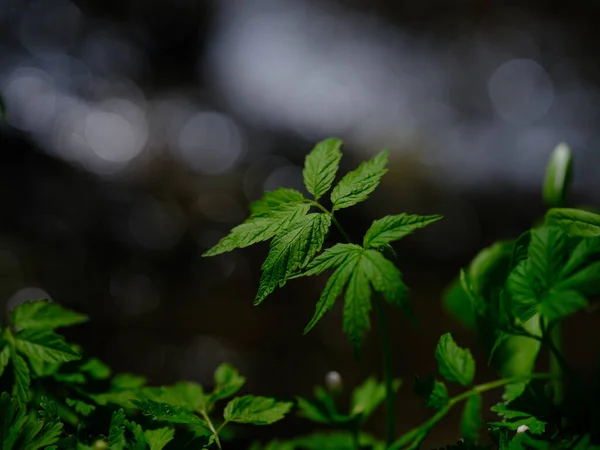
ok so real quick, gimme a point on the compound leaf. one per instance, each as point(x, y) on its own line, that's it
point(255, 410)
point(392, 228)
point(44, 314)
point(292, 249)
point(321, 165)
point(45, 345)
point(454, 363)
point(167, 413)
point(357, 185)
point(273, 212)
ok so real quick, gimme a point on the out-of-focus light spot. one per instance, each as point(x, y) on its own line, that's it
point(25, 295)
point(50, 26)
point(521, 91)
point(135, 293)
point(31, 99)
point(258, 171)
point(156, 225)
point(220, 207)
point(112, 137)
point(210, 143)
point(287, 176)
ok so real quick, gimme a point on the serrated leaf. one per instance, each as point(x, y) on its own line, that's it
point(167, 413)
point(12, 419)
point(558, 305)
point(116, 435)
point(255, 410)
point(392, 228)
point(227, 382)
point(44, 314)
point(357, 307)
point(357, 185)
point(96, 369)
point(335, 285)
point(81, 407)
point(292, 249)
point(159, 438)
point(321, 165)
point(472, 421)
point(385, 278)
point(312, 411)
point(368, 396)
point(558, 176)
point(4, 358)
point(187, 394)
point(522, 295)
point(45, 345)
point(575, 222)
point(21, 375)
point(138, 435)
point(274, 211)
point(432, 391)
point(547, 253)
point(331, 258)
point(454, 363)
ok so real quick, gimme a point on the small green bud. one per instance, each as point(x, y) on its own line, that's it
point(100, 444)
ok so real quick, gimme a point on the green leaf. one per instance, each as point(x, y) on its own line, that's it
point(255, 410)
point(21, 375)
point(357, 185)
point(126, 381)
point(159, 438)
point(454, 363)
point(12, 419)
point(368, 396)
point(547, 254)
point(471, 419)
point(331, 258)
point(292, 249)
point(167, 413)
point(116, 435)
point(321, 165)
point(357, 307)
point(45, 345)
point(586, 280)
point(432, 391)
point(392, 228)
point(586, 251)
point(186, 394)
point(575, 222)
point(536, 426)
point(83, 408)
point(269, 215)
point(4, 358)
point(558, 176)
point(96, 369)
point(523, 298)
point(227, 382)
point(335, 285)
point(138, 435)
point(385, 278)
point(44, 314)
point(558, 305)
point(336, 440)
point(312, 411)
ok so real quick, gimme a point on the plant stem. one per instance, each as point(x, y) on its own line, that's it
point(333, 219)
point(212, 428)
point(387, 371)
point(416, 435)
point(557, 362)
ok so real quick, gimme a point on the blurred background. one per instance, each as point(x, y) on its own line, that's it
point(137, 133)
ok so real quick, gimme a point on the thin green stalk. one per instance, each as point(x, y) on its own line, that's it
point(333, 219)
point(415, 436)
point(387, 371)
point(385, 344)
point(211, 427)
point(556, 362)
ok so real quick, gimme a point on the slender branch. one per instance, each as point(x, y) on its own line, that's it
point(416, 435)
point(387, 371)
point(212, 428)
point(333, 219)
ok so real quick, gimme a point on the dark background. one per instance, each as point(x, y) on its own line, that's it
point(138, 131)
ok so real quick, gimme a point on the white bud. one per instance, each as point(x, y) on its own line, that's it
point(522, 429)
point(333, 381)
